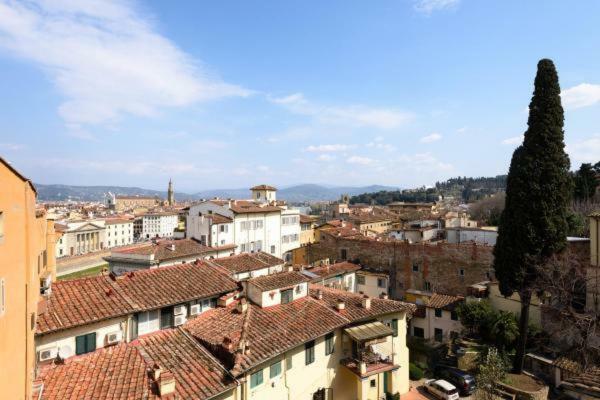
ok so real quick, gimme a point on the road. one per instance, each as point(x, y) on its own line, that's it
point(68, 265)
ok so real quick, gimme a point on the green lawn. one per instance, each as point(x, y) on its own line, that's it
point(93, 271)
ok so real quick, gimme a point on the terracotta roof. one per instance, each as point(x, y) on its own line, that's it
point(267, 331)
point(121, 372)
point(198, 375)
point(245, 262)
point(263, 187)
point(82, 301)
point(279, 280)
point(158, 287)
point(245, 206)
point(117, 372)
point(218, 218)
point(114, 221)
point(328, 271)
point(588, 382)
point(127, 197)
point(163, 249)
point(367, 218)
point(307, 219)
point(444, 301)
point(273, 330)
point(568, 365)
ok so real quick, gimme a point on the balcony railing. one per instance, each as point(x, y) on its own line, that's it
point(369, 360)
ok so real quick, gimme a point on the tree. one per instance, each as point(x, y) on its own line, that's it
point(585, 182)
point(492, 369)
point(474, 315)
point(503, 329)
point(533, 225)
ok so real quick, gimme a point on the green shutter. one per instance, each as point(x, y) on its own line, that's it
point(91, 342)
point(80, 344)
point(395, 327)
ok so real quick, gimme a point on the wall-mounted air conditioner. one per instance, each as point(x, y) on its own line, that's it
point(179, 320)
point(179, 310)
point(195, 309)
point(114, 337)
point(47, 354)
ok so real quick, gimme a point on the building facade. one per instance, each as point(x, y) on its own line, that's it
point(158, 225)
point(118, 232)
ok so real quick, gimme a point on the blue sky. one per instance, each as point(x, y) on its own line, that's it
point(229, 94)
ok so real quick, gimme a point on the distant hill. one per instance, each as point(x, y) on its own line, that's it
point(297, 193)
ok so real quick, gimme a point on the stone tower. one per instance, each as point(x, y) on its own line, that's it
point(170, 194)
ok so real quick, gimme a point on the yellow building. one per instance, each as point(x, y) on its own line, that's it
point(308, 223)
point(27, 268)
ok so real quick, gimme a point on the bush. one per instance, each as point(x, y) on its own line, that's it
point(415, 373)
point(395, 396)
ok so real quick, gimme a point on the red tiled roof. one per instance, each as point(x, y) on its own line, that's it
point(263, 187)
point(83, 301)
point(278, 281)
point(328, 271)
point(587, 382)
point(245, 262)
point(117, 372)
point(274, 330)
point(114, 221)
point(219, 219)
point(198, 375)
point(154, 288)
point(444, 301)
point(307, 219)
point(162, 249)
point(245, 206)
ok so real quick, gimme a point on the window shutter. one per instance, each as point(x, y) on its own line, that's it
point(395, 327)
point(80, 344)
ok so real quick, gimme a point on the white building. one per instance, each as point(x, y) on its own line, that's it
point(251, 225)
point(80, 237)
point(118, 232)
point(159, 224)
point(436, 317)
point(485, 236)
point(372, 283)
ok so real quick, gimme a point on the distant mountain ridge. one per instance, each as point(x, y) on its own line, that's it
point(296, 193)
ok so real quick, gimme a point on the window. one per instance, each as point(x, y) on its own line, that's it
point(438, 313)
point(453, 315)
point(329, 343)
point(360, 279)
point(381, 282)
point(395, 327)
point(461, 272)
point(344, 254)
point(373, 383)
point(85, 343)
point(273, 249)
point(148, 322)
point(427, 286)
point(275, 370)
point(418, 332)
point(288, 363)
point(287, 296)
point(438, 334)
point(415, 267)
point(256, 379)
point(309, 352)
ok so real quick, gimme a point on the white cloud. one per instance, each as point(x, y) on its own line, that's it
point(326, 157)
point(462, 130)
point(434, 137)
point(513, 140)
point(106, 59)
point(327, 148)
point(381, 146)
point(11, 146)
point(584, 151)
point(429, 6)
point(353, 115)
point(360, 160)
point(423, 162)
point(582, 95)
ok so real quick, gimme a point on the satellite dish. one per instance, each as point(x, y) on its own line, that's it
point(65, 351)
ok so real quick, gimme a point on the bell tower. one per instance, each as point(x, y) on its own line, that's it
point(170, 194)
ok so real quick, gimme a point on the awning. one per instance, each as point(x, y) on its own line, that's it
point(370, 331)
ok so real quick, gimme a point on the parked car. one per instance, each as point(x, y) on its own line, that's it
point(462, 380)
point(441, 389)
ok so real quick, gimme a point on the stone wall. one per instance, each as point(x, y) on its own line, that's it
point(443, 268)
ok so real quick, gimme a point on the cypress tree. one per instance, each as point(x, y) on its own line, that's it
point(533, 225)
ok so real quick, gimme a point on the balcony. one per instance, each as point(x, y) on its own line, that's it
point(370, 352)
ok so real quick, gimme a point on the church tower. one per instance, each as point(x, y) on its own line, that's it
point(170, 194)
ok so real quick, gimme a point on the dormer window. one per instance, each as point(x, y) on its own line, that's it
point(287, 296)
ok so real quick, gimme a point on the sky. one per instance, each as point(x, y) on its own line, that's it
point(228, 94)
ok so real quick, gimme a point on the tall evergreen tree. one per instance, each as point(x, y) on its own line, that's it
point(585, 182)
point(533, 225)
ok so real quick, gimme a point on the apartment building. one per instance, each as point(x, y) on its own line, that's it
point(158, 225)
point(436, 317)
point(372, 282)
point(27, 269)
point(308, 223)
point(260, 224)
point(341, 275)
point(118, 232)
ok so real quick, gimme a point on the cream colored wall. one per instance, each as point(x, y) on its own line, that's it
point(431, 322)
point(266, 300)
point(66, 338)
point(513, 304)
point(370, 287)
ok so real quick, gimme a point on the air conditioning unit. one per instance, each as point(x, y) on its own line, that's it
point(114, 337)
point(179, 310)
point(179, 320)
point(195, 309)
point(47, 354)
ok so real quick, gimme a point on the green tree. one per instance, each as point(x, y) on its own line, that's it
point(492, 369)
point(585, 182)
point(503, 329)
point(473, 315)
point(533, 225)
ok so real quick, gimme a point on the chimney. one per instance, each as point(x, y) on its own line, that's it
point(290, 268)
point(242, 306)
point(156, 371)
point(227, 344)
point(166, 383)
point(319, 294)
point(366, 302)
point(340, 305)
point(383, 296)
point(247, 347)
point(171, 247)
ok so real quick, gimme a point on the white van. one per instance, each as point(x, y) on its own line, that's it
point(441, 389)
